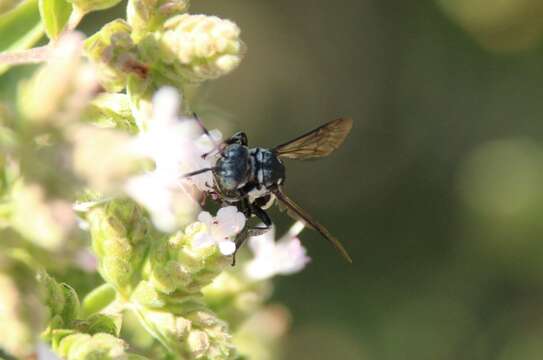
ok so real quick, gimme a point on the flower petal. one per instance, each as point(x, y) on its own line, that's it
point(231, 221)
point(166, 104)
point(150, 191)
point(227, 247)
point(285, 256)
point(292, 257)
point(259, 270)
point(202, 239)
point(205, 218)
point(264, 243)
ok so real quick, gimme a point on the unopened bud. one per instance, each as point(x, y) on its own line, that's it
point(196, 48)
point(114, 53)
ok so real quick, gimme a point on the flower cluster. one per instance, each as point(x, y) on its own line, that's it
point(106, 252)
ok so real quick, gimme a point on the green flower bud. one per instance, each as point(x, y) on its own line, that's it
point(210, 337)
point(195, 48)
point(114, 53)
point(120, 234)
point(148, 15)
point(62, 302)
point(169, 302)
point(78, 346)
point(100, 323)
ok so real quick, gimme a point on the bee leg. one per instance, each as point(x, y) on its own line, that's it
point(248, 210)
point(245, 207)
point(240, 240)
point(264, 217)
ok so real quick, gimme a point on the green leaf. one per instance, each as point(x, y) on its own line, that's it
point(20, 28)
point(54, 14)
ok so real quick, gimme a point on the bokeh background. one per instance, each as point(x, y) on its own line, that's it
point(438, 192)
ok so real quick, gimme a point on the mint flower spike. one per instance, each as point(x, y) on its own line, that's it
point(175, 143)
point(190, 260)
point(148, 15)
point(282, 257)
point(195, 48)
point(120, 237)
point(170, 303)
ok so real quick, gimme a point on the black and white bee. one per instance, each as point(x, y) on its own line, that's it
point(252, 178)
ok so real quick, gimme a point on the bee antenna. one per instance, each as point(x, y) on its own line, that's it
point(197, 172)
point(203, 128)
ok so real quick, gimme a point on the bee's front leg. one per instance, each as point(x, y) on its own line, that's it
point(244, 207)
point(264, 217)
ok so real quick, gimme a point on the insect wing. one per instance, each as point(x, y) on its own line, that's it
point(298, 213)
point(318, 142)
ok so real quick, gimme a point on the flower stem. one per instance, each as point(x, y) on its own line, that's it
point(30, 56)
point(75, 18)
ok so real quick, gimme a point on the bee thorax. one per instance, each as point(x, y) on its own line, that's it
point(267, 169)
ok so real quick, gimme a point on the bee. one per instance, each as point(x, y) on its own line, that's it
point(251, 178)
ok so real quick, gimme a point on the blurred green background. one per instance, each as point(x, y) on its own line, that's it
point(437, 193)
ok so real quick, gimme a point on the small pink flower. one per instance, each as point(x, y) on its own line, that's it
point(285, 256)
point(221, 229)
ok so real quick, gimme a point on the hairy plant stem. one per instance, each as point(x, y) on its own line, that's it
point(38, 54)
point(75, 18)
point(30, 56)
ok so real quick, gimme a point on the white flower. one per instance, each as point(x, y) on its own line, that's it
point(285, 256)
point(221, 229)
point(176, 146)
